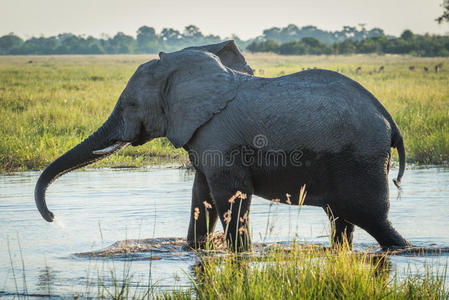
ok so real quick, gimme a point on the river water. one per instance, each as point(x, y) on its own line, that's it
point(96, 208)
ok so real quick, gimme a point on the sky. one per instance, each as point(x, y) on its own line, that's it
point(247, 19)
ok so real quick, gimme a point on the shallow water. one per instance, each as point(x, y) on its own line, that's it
point(96, 208)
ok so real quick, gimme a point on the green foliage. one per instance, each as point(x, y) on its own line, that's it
point(307, 45)
point(445, 16)
point(9, 42)
point(309, 273)
point(407, 35)
point(147, 41)
point(289, 40)
point(408, 43)
point(265, 46)
point(292, 33)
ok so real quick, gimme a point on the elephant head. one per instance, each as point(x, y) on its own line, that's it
point(171, 96)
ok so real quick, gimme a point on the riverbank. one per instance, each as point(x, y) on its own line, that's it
point(51, 103)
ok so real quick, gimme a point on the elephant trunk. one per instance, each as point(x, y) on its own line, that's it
point(97, 146)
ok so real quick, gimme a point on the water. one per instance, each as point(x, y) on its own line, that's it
point(96, 208)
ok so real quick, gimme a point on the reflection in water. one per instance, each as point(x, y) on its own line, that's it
point(147, 205)
point(46, 279)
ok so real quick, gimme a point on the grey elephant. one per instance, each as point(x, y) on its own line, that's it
point(247, 135)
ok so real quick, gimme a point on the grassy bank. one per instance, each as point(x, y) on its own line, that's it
point(48, 104)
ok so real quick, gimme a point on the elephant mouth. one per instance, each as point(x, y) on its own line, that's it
point(140, 141)
point(142, 138)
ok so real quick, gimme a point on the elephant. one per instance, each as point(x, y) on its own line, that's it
point(248, 135)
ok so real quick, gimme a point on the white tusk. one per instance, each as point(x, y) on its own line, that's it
point(111, 149)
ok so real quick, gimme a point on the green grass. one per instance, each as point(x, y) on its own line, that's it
point(309, 273)
point(298, 272)
point(51, 104)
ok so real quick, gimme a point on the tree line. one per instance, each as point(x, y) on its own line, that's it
point(146, 41)
point(407, 43)
point(285, 40)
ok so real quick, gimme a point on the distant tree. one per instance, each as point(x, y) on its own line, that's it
point(265, 46)
point(211, 39)
point(293, 33)
point(345, 47)
point(121, 44)
point(192, 36)
point(314, 46)
point(272, 34)
point(375, 32)
point(407, 35)
point(93, 46)
point(9, 42)
point(311, 42)
point(290, 48)
point(192, 31)
point(305, 40)
point(41, 45)
point(445, 16)
point(370, 45)
point(170, 39)
point(147, 40)
point(350, 31)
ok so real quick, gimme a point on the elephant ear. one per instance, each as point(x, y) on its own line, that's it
point(229, 54)
point(198, 87)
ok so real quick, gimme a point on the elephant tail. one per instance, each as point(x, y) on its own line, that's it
point(398, 143)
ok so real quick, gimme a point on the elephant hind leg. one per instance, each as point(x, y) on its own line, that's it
point(342, 231)
point(361, 196)
point(385, 234)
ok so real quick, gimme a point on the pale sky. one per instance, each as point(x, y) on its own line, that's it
point(247, 19)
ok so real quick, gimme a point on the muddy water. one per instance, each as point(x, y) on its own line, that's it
point(96, 208)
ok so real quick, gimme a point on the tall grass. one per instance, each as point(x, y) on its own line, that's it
point(311, 273)
point(48, 104)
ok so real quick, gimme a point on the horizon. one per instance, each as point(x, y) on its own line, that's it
point(52, 17)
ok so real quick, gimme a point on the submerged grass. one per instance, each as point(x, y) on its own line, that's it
point(48, 104)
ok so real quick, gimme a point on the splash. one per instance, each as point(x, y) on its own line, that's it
point(58, 222)
point(153, 249)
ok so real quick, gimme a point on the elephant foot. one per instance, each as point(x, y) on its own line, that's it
point(387, 236)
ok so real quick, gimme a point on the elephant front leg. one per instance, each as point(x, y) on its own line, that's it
point(203, 214)
point(232, 193)
point(342, 231)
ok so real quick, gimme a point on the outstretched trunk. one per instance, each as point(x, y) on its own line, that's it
point(100, 144)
